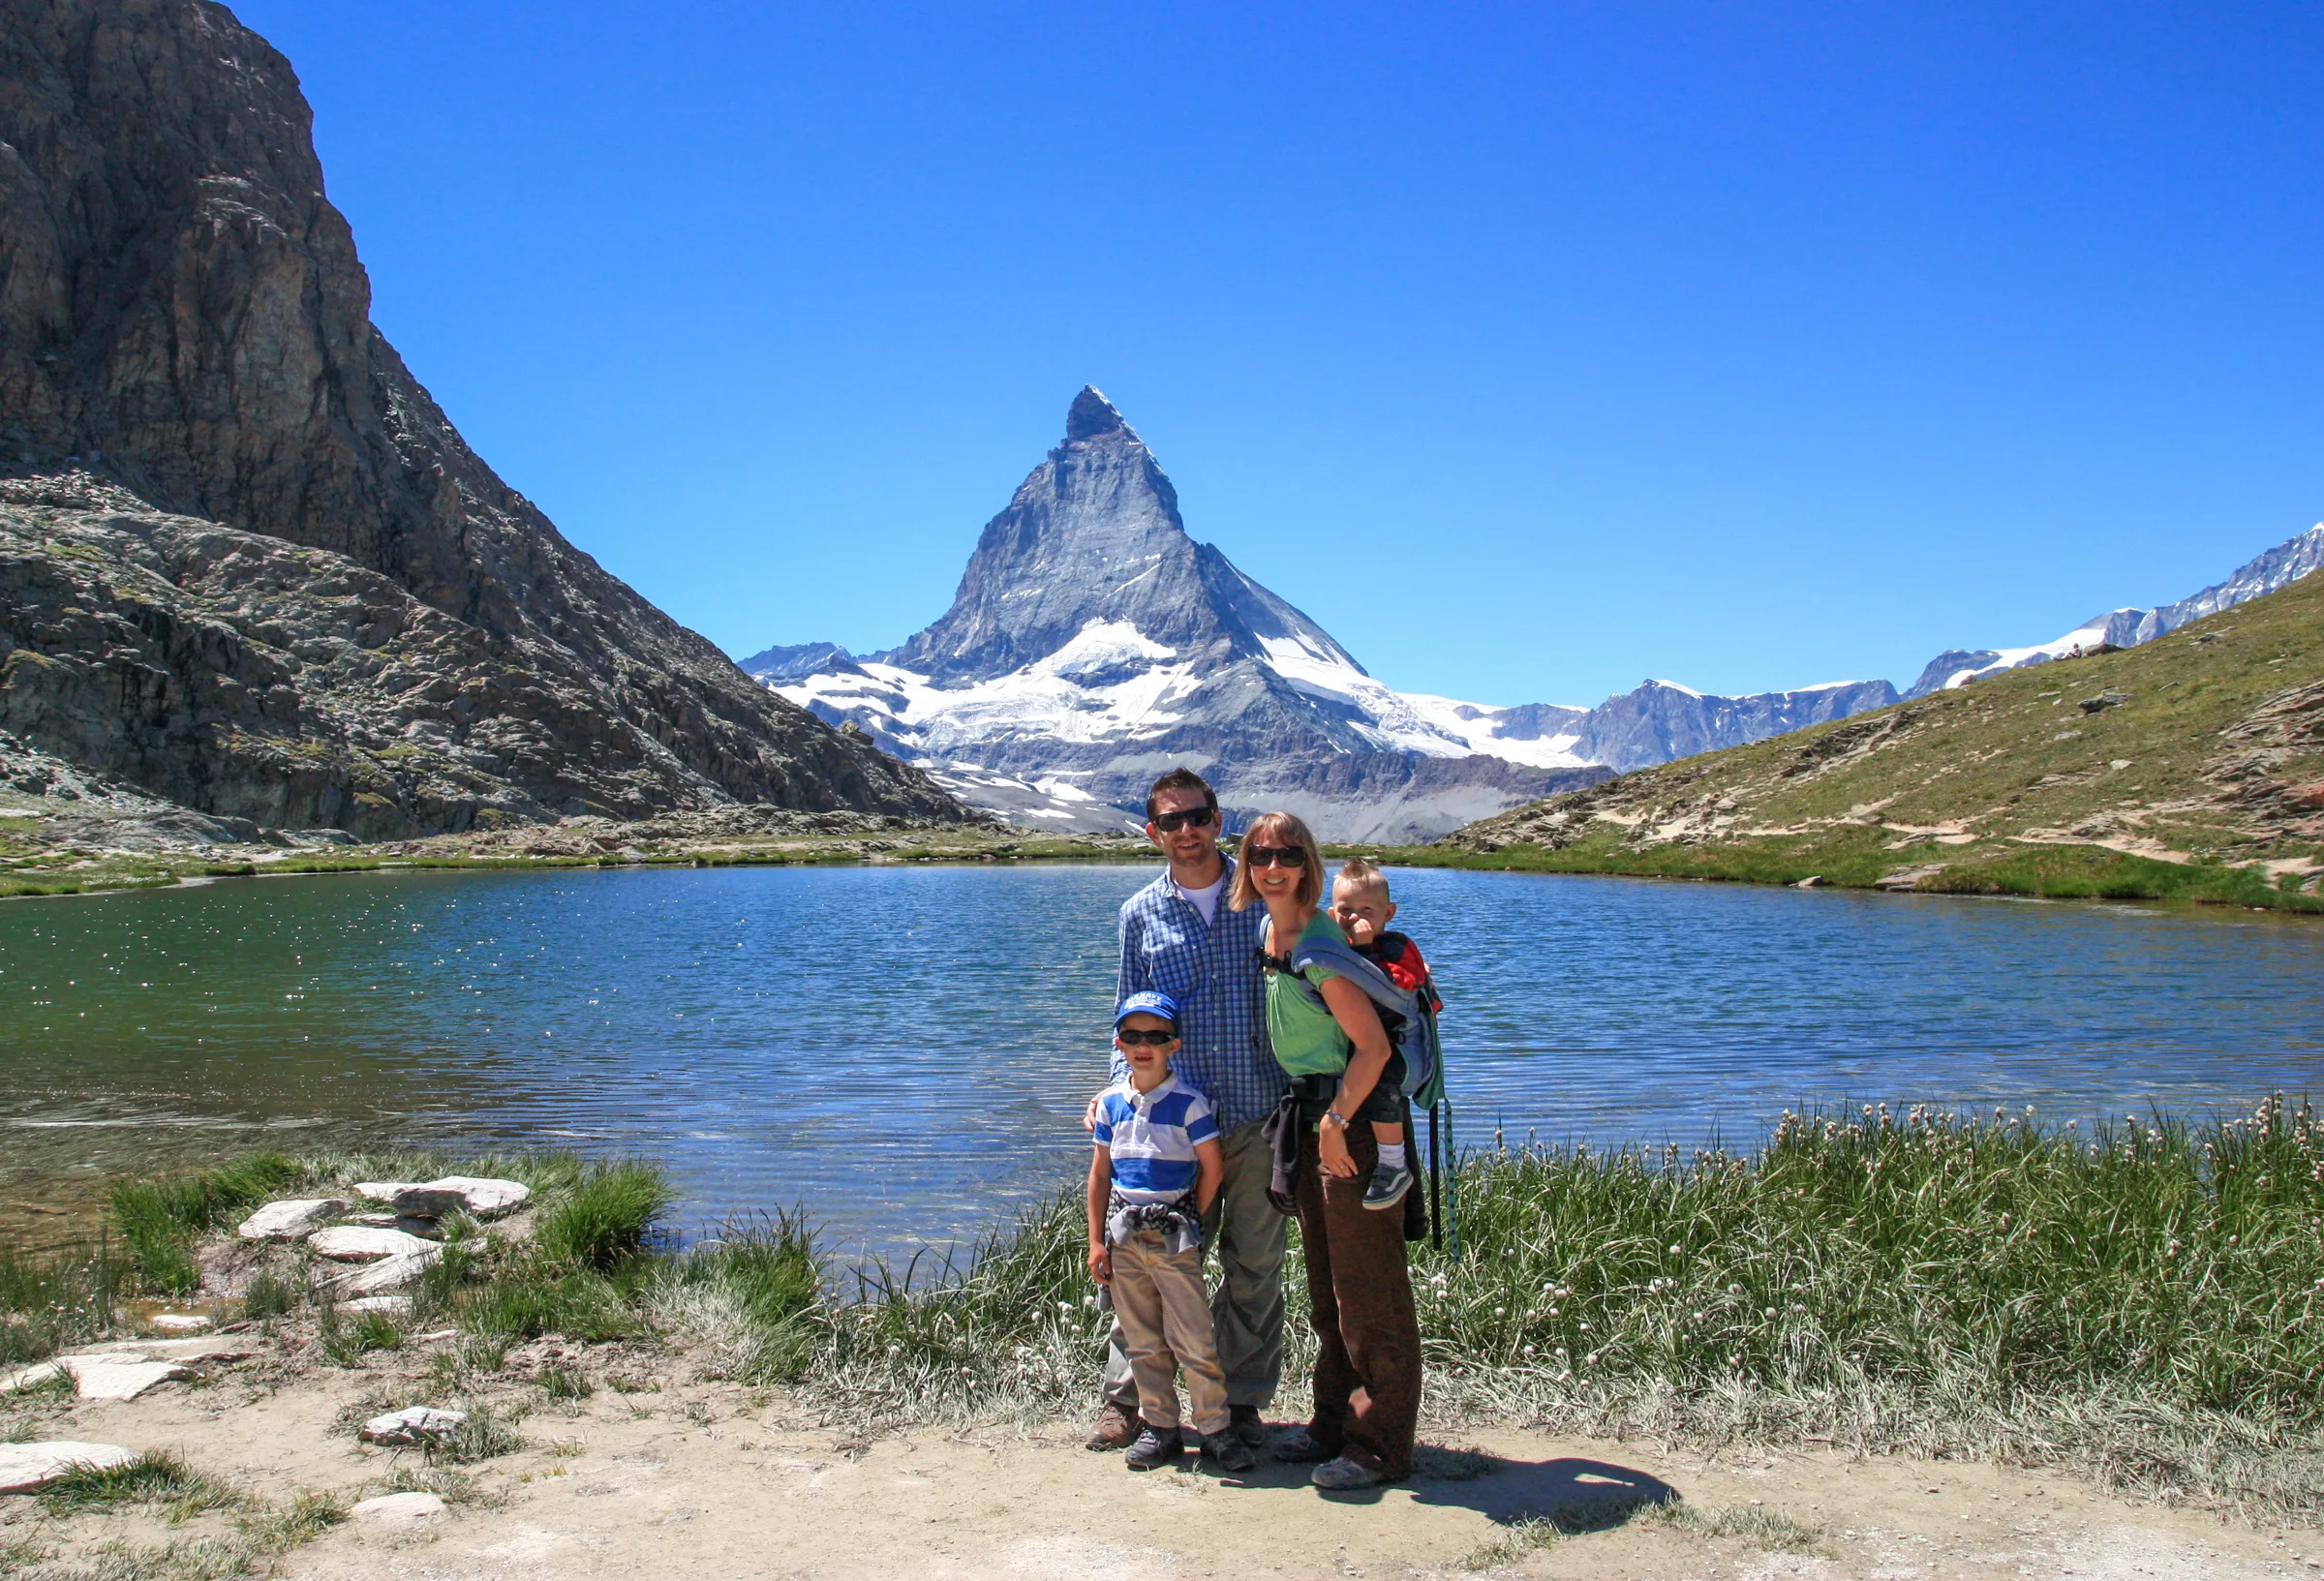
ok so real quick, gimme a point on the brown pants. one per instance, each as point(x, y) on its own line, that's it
point(1166, 1329)
point(1368, 1362)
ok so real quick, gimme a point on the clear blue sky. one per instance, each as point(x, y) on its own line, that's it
point(1533, 349)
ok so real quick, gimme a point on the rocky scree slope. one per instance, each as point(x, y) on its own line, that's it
point(1093, 643)
point(2203, 749)
point(250, 566)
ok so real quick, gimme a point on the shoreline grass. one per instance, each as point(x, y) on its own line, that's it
point(2141, 1301)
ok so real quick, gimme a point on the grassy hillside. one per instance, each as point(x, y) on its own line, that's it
point(2191, 768)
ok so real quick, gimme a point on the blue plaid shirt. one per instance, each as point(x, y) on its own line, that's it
point(1213, 971)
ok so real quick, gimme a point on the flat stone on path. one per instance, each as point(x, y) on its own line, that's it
point(393, 1305)
point(32, 1377)
point(413, 1424)
point(291, 1220)
point(400, 1508)
point(362, 1243)
point(26, 1467)
point(391, 1274)
point(118, 1378)
point(181, 1322)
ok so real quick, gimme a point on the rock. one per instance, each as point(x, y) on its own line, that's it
point(1814, 881)
point(26, 1468)
point(413, 1424)
point(389, 1274)
point(392, 1305)
point(409, 1223)
point(381, 1190)
point(389, 639)
point(1908, 878)
point(181, 1322)
point(114, 1378)
point(483, 1196)
point(292, 1220)
point(362, 1243)
point(399, 1509)
point(2103, 701)
point(32, 1377)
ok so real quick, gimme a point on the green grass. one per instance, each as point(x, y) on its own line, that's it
point(604, 1217)
point(752, 1292)
point(54, 1299)
point(156, 1477)
point(160, 1220)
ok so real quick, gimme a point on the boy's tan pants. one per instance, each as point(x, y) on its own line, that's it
point(1166, 1329)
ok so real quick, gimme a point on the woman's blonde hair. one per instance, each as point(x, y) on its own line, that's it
point(1278, 829)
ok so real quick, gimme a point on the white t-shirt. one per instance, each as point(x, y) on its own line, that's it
point(1206, 898)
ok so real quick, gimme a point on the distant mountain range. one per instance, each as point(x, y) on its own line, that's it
point(1093, 643)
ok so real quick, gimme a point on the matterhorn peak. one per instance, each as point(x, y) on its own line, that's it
point(1093, 416)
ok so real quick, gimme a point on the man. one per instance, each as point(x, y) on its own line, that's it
point(1179, 938)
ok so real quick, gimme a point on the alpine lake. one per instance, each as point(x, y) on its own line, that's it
point(905, 1052)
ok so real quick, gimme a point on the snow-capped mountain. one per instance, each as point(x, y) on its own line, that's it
point(2288, 562)
point(1093, 643)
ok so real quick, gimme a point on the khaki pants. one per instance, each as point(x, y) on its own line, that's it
point(1246, 1314)
point(1166, 1329)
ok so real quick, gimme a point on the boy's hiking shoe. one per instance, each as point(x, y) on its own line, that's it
point(1117, 1429)
point(1386, 1188)
point(1155, 1447)
point(1227, 1452)
point(1247, 1425)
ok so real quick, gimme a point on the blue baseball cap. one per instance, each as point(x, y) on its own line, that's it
point(1149, 1003)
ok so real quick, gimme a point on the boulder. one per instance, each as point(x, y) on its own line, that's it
point(389, 1274)
point(26, 1468)
point(395, 1306)
point(181, 1322)
point(292, 1220)
point(400, 1508)
point(2103, 701)
point(115, 1376)
point(1814, 881)
point(413, 1424)
point(362, 1243)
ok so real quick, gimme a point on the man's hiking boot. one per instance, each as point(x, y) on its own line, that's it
point(1245, 1425)
point(1155, 1447)
point(1117, 1429)
point(1227, 1452)
point(1386, 1188)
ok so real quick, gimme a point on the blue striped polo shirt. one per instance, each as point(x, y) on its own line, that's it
point(1151, 1136)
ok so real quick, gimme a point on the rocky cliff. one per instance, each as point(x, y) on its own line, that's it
point(248, 562)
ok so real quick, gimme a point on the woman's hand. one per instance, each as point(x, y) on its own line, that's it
point(1331, 1150)
point(1101, 1263)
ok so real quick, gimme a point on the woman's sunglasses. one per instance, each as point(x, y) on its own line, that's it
point(1275, 855)
point(1170, 823)
point(1157, 1039)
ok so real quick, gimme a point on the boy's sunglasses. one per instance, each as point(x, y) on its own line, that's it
point(1157, 1039)
point(1275, 855)
point(1170, 823)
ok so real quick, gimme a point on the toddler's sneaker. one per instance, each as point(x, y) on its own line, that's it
point(1386, 1187)
point(1155, 1447)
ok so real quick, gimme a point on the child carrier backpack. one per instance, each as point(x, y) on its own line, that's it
point(1408, 1013)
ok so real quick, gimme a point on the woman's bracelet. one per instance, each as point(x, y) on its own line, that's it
point(1335, 1117)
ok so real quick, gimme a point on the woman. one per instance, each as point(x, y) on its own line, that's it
point(1367, 1365)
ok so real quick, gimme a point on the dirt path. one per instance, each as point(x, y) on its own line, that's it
point(711, 1481)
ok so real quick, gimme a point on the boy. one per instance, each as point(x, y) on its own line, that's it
point(1155, 1169)
point(1361, 905)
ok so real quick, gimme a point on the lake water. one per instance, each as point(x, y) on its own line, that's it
point(906, 1050)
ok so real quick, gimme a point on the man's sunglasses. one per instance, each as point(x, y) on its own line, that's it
point(1130, 1035)
point(1170, 823)
point(1275, 855)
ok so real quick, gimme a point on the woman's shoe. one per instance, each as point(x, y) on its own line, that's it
point(1344, 1476)
point(1299, 1450)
